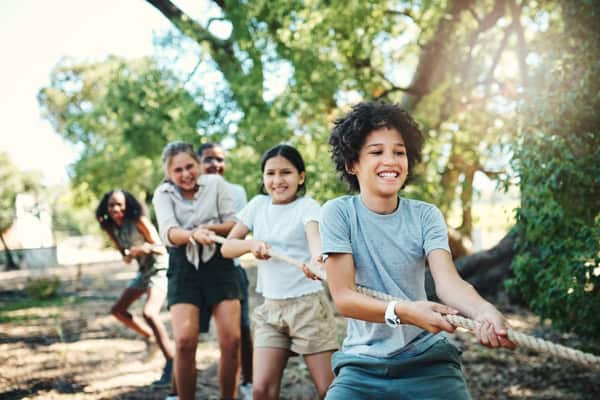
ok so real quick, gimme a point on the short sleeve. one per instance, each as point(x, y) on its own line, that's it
point(225, 202)
point(165, 214)
point(240, 199)
point(248, 214)
point(335, 228)
point(311, 211)
point(435, 230)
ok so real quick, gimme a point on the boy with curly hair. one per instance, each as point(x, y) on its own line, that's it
point(382, 241)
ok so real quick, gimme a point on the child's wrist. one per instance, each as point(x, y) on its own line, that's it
point(402, 310)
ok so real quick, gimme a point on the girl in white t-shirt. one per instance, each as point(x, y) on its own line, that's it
point(296, 316)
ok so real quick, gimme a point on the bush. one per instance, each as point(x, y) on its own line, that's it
point(557, 267)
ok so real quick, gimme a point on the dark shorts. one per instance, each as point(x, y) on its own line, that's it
point(206, 314)
point(433, 374)
point(213, 281)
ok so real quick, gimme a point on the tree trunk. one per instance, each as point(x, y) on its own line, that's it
point(10, 262)
point(485, 270)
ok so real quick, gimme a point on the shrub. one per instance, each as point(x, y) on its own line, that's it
point(557, 267)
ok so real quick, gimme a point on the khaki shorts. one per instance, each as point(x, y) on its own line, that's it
point(304, 325)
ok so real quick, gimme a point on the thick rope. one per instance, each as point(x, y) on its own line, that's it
point(521, 339)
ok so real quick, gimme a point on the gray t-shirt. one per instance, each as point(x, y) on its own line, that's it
point(389, 253)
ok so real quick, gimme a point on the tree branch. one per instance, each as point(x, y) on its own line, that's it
point(515, 10)
point(484, 24)
point(496, 58)
point(433, 57)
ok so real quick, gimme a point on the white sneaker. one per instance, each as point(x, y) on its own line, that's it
point(172, 397)
point(246, 391)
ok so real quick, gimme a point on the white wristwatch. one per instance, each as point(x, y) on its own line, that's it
point(391, 319)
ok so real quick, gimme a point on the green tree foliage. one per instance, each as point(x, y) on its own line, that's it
point(459, 66)
point(557, 269)
point(120, 113)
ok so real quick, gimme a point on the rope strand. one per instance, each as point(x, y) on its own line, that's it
point(520, 339)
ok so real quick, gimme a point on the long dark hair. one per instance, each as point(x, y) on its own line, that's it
point(133, 209)
point(289, 153)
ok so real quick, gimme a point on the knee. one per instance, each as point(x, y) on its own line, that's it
point(150, 315)
point(186, 345)
point(260, 391)
point(116, 311)
point(322, 391)
point(230, 342)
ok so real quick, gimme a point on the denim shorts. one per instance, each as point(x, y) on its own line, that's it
point(155, 278)
point(434, 373)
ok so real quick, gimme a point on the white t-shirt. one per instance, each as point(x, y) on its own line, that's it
point(283, 226)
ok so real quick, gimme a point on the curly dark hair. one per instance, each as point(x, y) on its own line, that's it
point(350, 131)
point(133, 209)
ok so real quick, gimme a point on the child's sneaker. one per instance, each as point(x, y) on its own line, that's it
point(165, 378)
point(172, 396)
point(246, 391)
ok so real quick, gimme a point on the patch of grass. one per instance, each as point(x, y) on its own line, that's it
point(6, 308)
point(43, 288)
point(18, 319)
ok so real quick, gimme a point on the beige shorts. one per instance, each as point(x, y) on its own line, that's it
point(304, 325)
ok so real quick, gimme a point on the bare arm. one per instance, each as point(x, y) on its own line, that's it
point(313, 238)
point(200, 234)
point(236, 246)
point(179, 236)
point(457, 293)
point(352, 304)
point(145, 227)
point(314, 246)
point(221, 229)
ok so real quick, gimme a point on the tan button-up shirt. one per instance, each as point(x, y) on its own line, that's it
point(211, 204)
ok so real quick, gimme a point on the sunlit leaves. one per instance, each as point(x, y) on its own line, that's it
point(558, 160)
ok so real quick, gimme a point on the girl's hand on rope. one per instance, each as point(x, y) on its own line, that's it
point(315, 262)
point(143, 249)
point(202, 235)
point(492, 330)
point(260, 249)
point(427, 315)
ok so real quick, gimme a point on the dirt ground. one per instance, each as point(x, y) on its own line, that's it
point(76, 350)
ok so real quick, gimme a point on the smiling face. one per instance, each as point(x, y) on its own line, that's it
point(281, 179)
point(116, 207)
point(183, 170)
point(212, 160)
point(382, 165)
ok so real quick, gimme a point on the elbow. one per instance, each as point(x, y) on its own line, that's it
point(343, 303)
point(226, 251)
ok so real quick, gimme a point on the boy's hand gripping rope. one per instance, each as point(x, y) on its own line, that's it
point(521, 339)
